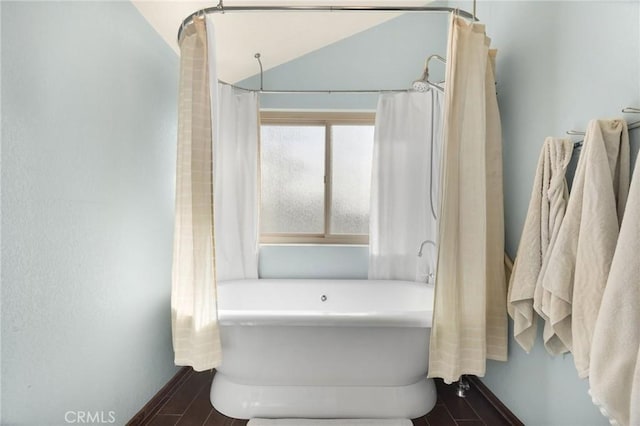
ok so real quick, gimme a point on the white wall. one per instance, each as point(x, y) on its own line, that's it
point(560, 64)
point(88, 158)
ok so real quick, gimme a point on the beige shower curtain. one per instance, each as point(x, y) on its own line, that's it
point(470, 317)
point(196, 339)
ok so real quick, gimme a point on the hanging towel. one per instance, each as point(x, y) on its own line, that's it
point(614, 376)
point(546, 210)
point(580, 259)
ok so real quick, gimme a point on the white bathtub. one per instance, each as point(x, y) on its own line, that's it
point(324, 349)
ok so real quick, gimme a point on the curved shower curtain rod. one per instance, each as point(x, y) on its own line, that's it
point(424, 79)
point(221, 8)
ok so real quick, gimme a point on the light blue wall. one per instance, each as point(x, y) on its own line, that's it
point(555, 73)
point(308, 261)
point(389, 56)
point(560, 64)
point(89, 95)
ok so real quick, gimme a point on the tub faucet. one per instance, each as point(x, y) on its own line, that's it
point(422, 246)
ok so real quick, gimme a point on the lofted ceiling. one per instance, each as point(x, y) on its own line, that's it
point(278, 36)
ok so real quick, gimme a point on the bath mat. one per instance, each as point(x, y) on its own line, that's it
point(329, 422)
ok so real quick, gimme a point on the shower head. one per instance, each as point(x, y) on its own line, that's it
point(422, 84)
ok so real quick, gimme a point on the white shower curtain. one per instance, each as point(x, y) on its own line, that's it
point(217, 128)
point(407, 144)
point(470, 317)
point(236, 185)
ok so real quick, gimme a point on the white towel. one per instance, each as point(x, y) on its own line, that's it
point(580, 259)
point(615, 375)
point(546, 210)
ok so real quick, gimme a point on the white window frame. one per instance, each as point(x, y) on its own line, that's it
point(326, 119)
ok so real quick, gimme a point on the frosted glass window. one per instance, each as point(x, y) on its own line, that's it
point(351, 158)
point(293, 170)
point(315, 177)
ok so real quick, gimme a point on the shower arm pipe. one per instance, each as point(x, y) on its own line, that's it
point(434, 56)
point(427, 61)
point(426, 68)
point(221, 8)
point(425, 71)
point(631, 126)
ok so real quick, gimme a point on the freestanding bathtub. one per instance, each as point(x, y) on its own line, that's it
point(324, 349)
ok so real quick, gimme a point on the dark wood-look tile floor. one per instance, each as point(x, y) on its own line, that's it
point(190, 405)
